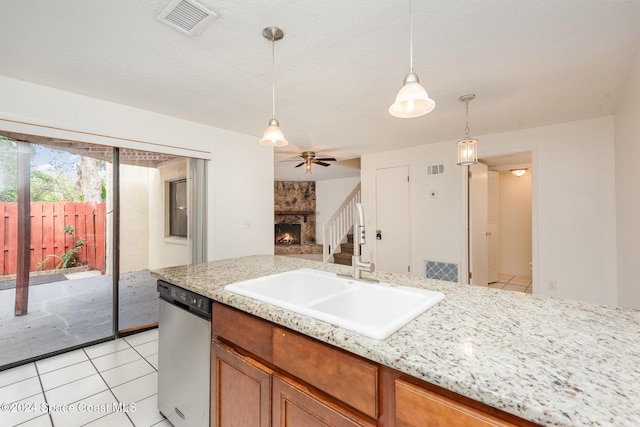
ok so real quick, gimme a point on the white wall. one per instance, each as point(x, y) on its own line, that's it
point(574, 186)
point(240, 173)
point(627, 132)
point(435, 223)
point(515, 223)
point(330, 193)
point(242, 199)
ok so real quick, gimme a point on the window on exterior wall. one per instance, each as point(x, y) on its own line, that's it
point(178, 208)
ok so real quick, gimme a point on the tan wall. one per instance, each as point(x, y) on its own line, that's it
point(165, 251)
point(134, 218)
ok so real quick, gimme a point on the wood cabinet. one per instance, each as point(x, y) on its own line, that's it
point(350, 379)
point(245, 393)
point(419, 407)
point(295, 406)
point(240, 390)
point(264, 374)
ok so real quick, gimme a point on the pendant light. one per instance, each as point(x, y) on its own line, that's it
point(412, 99)
point(467, 147)
point(273, 136)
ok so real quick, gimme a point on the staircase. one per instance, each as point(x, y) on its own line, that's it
point(346, 252)
point(336, 228)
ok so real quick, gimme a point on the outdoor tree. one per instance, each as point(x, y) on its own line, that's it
point(8, 170)
point(89, 184)
point(64, 177)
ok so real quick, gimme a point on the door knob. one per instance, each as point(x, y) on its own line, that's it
point(378, 234)
point(487, 233)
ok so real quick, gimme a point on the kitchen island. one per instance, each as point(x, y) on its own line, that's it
point(546, 360)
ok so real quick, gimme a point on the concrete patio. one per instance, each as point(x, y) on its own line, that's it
point(71, 312)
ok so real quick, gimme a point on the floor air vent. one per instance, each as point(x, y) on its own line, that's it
point(186, 16)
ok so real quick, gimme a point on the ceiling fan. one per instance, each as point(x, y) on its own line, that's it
point(309, 158)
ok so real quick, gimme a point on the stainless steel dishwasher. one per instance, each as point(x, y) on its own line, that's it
point(184, 347)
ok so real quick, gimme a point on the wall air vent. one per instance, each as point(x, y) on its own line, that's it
point(435, 169)
point(186, 16)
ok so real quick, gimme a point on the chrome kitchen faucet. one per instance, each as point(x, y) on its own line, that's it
point(359, 239)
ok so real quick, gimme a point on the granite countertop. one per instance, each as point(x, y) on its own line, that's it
point(547, 360)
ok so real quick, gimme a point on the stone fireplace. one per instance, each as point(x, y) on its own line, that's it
point(295, 217)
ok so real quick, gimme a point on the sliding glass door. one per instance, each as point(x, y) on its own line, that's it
point(55, 290)
point(81, 226)
point(153, 230)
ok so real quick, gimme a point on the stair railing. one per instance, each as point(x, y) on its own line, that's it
point(335, 229)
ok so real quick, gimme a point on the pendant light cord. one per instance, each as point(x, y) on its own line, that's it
point(273, 77)
point(410, 38)
point(466, 128)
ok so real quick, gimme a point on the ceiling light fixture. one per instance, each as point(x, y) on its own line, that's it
point(467, 147)
point(412, 99)
point(273, 136)
point(518, 172)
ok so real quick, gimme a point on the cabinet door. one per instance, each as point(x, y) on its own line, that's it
point(350, 379)
point(240, 390)
point(294, 406)
point(418, 407)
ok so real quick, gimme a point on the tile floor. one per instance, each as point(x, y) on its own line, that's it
point(110, 384)
point(509, 282)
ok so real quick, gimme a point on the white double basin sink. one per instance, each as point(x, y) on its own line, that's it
point(376, 310)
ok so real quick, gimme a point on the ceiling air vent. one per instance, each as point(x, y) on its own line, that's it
point(186, 16)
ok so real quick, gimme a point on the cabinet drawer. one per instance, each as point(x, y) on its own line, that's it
point(244, 330)
point(418, 407)
point(348, 378)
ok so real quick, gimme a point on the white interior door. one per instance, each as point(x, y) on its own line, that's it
point(493, 217)
point(478, 231)
point(392, 220)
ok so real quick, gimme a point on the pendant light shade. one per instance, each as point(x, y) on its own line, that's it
point(467, 147)
point(467, 151)
point(273, 136)
point(412, 99)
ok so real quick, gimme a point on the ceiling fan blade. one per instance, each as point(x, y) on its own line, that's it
point(300, 164)
point(321, 163)
point(327, 159)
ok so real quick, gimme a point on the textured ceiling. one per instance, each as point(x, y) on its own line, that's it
point(339, 65)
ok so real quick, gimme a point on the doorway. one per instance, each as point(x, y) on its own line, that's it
point(500, 238)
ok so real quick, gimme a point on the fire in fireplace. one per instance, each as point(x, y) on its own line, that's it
point(287, 234)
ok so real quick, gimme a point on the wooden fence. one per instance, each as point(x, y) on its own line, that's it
point(48, 238)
